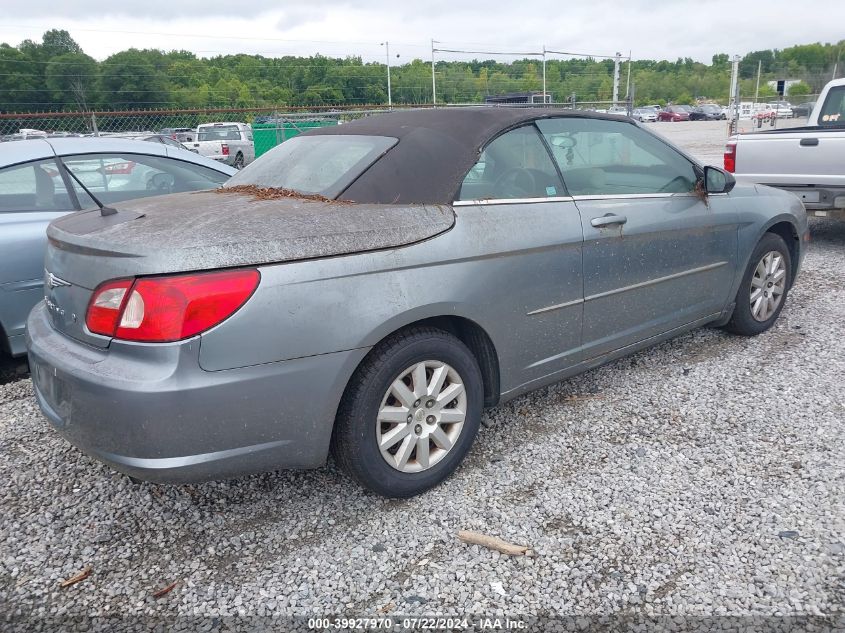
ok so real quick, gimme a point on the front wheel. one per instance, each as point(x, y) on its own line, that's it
point(765, 284)
point(410, 413)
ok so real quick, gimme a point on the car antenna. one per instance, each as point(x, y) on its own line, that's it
point(104, 210)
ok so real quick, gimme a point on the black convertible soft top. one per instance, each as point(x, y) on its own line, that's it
point(436, 148)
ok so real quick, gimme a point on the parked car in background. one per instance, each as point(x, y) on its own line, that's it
point(707, 112)
point(775, 110)
point(181, 134)
point(35, 188)
point(153, 138)
point(803, 110)
point(25, 133)
point(329, 295)
point(782, 109)
point(807, 161)
point(229, 143)
point(645, 115)
point(673, 113)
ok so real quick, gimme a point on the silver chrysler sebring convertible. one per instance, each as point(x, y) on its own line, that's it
point(367, 289)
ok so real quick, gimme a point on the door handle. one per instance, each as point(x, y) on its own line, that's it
point(608, 220)
point(808, 142)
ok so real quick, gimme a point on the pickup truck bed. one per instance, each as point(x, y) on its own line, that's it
point(808, 161)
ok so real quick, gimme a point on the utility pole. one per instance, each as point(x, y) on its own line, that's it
point(759, 68)
point(734, 93)
point(616, 61)
point(628, 96)
point(433, 81)
point(386, 45)
point(544, 75)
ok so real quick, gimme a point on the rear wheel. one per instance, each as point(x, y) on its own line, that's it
point(765, 284)
point(239, 161)
point(410, 413)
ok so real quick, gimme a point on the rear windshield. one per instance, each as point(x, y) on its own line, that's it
point(324, 165)
point(219, 133)
point(833, 109)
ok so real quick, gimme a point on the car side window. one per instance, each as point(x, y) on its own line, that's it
point(514, 165)
point(116, 177)
point(833, 108)
point(600, 157)
point(34, 186)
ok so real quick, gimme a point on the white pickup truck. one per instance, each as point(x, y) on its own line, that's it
point(229, 143)
point(808, 161)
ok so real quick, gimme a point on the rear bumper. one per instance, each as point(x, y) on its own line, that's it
point(226, 159)
point(818, 198)
point(151, 412)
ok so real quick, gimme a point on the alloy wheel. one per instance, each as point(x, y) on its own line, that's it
point(421, 416)
point(767, 285)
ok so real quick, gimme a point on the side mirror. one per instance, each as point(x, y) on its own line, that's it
point(718, 180)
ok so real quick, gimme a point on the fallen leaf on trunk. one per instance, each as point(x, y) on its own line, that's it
point(166, 590)
point(494, 543)
point(77, 578)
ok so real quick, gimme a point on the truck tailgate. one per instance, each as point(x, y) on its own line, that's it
point(808, 157)
point(207, 148)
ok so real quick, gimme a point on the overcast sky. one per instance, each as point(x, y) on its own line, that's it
point(651, 29)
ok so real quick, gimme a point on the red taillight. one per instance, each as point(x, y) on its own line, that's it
point(119, 168)
point(730, 156)
point(225, 149)
point(165, 309)
point(106, 305)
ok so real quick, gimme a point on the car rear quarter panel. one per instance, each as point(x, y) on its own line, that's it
point(495, 265)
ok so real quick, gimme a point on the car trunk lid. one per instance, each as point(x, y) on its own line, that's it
point(211, 230)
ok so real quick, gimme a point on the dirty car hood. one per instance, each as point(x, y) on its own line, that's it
point(205, 230)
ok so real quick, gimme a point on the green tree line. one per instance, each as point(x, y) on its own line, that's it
point(56, 74)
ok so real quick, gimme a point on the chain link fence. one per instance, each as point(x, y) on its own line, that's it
point(271, 126)
point(287, 121)
point(135, 122)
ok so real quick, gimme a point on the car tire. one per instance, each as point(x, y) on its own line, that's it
point(763, 289)
point(378, 429)
point(239, 161)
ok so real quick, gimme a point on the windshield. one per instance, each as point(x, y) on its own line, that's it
point(323, 165)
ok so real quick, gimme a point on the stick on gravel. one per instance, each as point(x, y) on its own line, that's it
point(166, 590)
point(492, 542)
point(77, 578)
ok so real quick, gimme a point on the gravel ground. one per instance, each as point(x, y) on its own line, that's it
point(703, 477)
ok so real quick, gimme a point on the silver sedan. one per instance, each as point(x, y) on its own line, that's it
point(38, 183)
point(369, 288)
point(644, 115)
